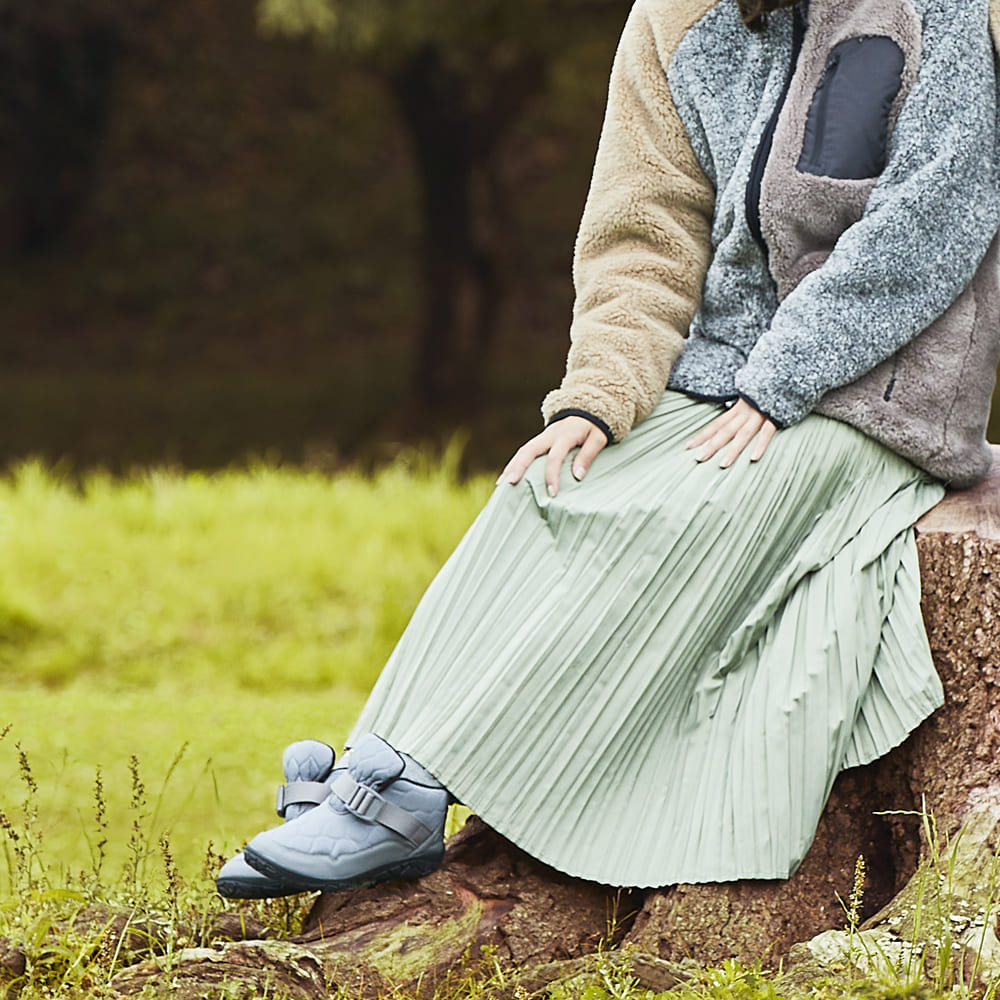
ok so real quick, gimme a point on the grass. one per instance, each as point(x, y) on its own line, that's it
point(264, 580)
point(228, 613)
point(221, 789)
point(162, 637)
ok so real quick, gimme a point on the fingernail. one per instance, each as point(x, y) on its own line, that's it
point(578, 473)
point(550, 489)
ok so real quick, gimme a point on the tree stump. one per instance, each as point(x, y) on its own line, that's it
point(491, 898)
point(951, 762)
point(949, 769)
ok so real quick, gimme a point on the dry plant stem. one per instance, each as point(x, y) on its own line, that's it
point(97, 851)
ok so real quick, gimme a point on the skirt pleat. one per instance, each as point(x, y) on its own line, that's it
point(655, 676)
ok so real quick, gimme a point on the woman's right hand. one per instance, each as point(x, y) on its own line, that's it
point(557, 440)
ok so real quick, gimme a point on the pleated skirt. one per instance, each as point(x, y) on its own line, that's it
point(656, 676)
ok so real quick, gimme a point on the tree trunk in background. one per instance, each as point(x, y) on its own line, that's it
point(542, 925)
point(456, 139)
point(56, 84)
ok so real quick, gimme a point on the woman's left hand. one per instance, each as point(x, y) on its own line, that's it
point(735, 428)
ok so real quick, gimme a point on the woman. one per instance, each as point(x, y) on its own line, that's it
point(792, 218)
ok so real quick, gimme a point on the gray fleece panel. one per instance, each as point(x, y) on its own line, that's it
point(726, 81)
point(904, 246)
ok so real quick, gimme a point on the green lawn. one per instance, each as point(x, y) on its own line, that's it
point(218, 617)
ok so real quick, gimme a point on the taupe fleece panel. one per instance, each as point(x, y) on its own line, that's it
point(995, 23)
point(930, 402)
point(802, 214)
point(644, 242)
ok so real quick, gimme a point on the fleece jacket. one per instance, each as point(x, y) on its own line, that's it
point(803, 216)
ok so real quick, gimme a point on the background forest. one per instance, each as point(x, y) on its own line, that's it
point(227, 229)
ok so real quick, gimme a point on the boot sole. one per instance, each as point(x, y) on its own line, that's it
point(248, 888)
point(407, 868)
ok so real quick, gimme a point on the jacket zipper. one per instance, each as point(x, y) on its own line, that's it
point(822, 99)
point(757, 167)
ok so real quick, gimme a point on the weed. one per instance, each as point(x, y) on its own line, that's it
point(97, 844)
point(135, 864)
point(76, 933)
point(937, 938)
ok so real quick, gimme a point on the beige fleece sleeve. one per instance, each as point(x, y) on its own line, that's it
point(644, 241)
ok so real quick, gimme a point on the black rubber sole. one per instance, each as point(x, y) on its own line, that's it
point(248, 888)
point(409, 868)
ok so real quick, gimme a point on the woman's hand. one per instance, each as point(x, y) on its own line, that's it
point(558, 439)
point(737, 427)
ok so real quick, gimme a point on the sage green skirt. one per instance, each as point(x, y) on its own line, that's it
point(656, 676)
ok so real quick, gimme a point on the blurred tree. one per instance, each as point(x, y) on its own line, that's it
point(461, 75)
point(57, 63)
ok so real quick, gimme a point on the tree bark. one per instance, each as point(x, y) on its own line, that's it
point(13, 965)
point(937, 796)
point(488, 899)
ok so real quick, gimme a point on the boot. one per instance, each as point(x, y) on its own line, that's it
point(307, 765)
point(383, 820)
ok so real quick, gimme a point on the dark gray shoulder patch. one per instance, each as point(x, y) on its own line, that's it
point(846, 133)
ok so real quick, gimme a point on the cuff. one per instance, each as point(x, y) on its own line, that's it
point(781, 401)
point(780, 424)
point(596, 421)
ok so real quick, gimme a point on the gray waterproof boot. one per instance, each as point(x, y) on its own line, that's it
point(307, 765)
point(383, 820)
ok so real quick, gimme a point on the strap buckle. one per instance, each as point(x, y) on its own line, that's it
point(363, 800)
point(367, 804)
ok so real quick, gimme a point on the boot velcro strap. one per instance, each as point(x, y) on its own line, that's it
point(368, 804)
point(297, 793)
